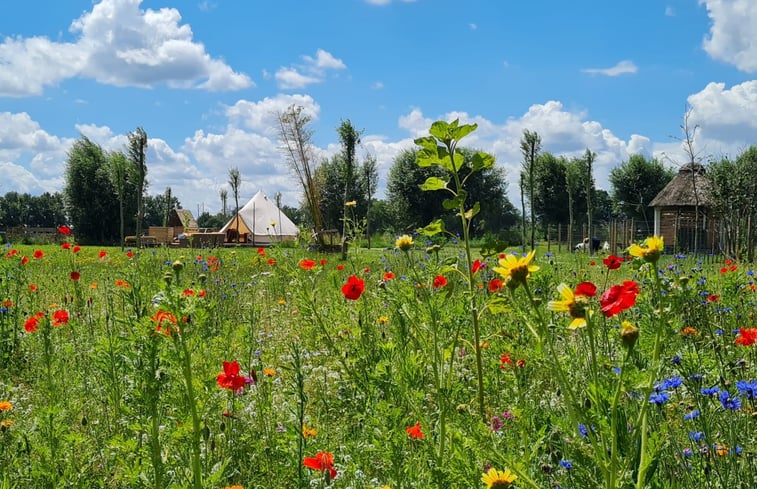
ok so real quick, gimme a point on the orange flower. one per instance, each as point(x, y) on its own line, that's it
point(308, 432)
point(161, 317)
point(6, 406)
point(306, 264)
point(323, 462)
point(414, 432)
point(123, 283)
point(388, 276)
point(269, 372)
point(689, 331)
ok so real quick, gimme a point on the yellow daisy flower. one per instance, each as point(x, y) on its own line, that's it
point(497, 479)
point(404, 242)
point(574, 303)
point(651, 251)
point(516, 270)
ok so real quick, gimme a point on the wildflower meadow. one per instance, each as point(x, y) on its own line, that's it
point(432, 363)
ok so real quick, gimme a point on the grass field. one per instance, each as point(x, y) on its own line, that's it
point(282, 368)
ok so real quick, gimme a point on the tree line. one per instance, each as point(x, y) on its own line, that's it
point(105, 193)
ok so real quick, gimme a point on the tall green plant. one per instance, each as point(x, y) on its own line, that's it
point(440, 150)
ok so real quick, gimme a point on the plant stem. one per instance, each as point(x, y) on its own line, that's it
point(187, 370)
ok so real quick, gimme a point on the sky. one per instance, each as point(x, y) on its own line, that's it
point(206, 78)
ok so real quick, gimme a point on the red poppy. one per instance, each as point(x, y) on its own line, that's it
point(322, 462)
point(64, 230)
point(587, 289)
point(33, 287)
point(505, 360)
point(24, 260)
point(60, 317)
point(11, 253)
point(102, 254)
point(65, 246)
point(161, 317)
point(477, 265)
point(230, 378)
point(340, 267)
point(306, 264)
point(213, 263)
point(76, 249)
point(521, 363)
point(354, 288)
point(129, 254)
point(38, 254)
point(728, 261)
point(388, 276)
point(746, 337)
point(366, 270)
point(75, 276)
point(261, 251)
point(440, 281)
point(613, 262)
point(30, 325)
point(187, 293)
point(123, 283)
point(202, 293)
point(414, 432)
point(619, 298)
point(495, 285)
point(323, 262)
point(713, 298)
point(271, 261)
point(592, 263)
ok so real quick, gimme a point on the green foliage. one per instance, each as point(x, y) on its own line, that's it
point(635, 183)
point(46, 210)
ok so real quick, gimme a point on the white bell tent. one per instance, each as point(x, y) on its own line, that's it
point(260, 222)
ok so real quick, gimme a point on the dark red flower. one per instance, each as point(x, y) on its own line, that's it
point(613, 262)
point(592, 263)
point(414, 432)
point(440, 281)
point(713, 298)
point(64, 230)
point(38, 254)
point(24, 260)
point(323, 262)
point(322, 462)
point(477, 265)
point(75, 276)
point(746, 337)
point(65, 245)
point(340, 267)
point(230, 378)
point(60, 317)
point(619, 298)
point(354, 288)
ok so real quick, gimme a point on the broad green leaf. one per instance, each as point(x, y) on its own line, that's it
point(427, 157)
point(441, 130)
point(456, 202)
point(458, 133)
point(434, 183)
point(447, 163)
point(435, 227)
point(473, 211)
point(491, 248)
point(481, 161)
point(427, 142)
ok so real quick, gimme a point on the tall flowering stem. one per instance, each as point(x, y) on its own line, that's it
point(440, 149)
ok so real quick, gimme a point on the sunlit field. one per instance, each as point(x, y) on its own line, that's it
point(281, 367)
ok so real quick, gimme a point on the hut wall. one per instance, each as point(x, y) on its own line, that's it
point(678, 227)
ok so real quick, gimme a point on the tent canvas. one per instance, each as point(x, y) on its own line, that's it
point(260, 222)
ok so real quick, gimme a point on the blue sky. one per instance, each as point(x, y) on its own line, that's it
point(204, 79)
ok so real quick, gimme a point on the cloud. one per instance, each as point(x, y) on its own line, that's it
point(120, 44)
point(621, 68)
point(312, 70)
point(262, 116)
point(732, 38)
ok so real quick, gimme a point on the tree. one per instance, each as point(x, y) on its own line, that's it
point(369, 179)
point(530, 145)
point(589, 158)
point(235, 181)
point(156, 206)
point(207, 220)
point(635, 183)
point(119, 172)
point(296, 136)
point(411, 208)
point(350, 138)
point(137, 153)
point(88, 194)
point(550, 190)
point(224, 198)
point(573, 185)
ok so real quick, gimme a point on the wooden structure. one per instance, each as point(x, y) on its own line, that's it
point(683, 212)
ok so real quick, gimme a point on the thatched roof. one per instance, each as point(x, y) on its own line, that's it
point(182, 218)
point(680, 191)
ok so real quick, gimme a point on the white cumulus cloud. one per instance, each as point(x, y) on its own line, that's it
point(732, 38)
point(311, 70)
point(622, 68)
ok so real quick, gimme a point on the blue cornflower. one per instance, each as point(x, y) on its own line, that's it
point(747, 388)
point(582, 430)
point(719, 332)
point(696, 377)
point(659, 397)
point(676, 360)
point(710, 391)
point(729, 402)
point(695, 435)
point(687, 452)
point(566, 464)
point(3, 310)
point(750, 273)
point(674, 382)
point(692, 415)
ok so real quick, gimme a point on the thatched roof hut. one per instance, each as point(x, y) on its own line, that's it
point(682, 211)
point(182, 218)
